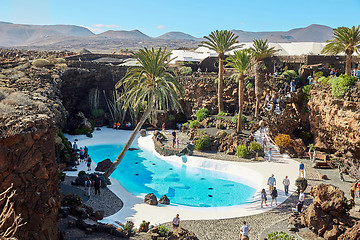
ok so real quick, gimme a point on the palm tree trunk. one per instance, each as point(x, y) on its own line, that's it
point(241, 102)
point(348, 64)
point(128, 144)
point(258, 85)
point(220, 86)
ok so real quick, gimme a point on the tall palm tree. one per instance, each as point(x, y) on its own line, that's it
point(345, 40)
point(149, 85)
point(241, 61)
point(221, 42)
point(259, 51)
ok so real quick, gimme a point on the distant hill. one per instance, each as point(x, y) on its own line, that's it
point(177, 36)
point(21, 34)
point(134, 34)
point(312, 33)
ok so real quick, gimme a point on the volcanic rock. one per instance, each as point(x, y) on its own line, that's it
point(104, 165)
point(164, 200)
point(151, 199)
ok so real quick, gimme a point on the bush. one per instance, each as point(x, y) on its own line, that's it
point(306, 90)
point(255, 146)
point(97, 113)
point(40, 63)
point(340, 85)
point(305, 135)
point(171, 118)
point(202, 143)
point(283, 140)
point(289, 74)
point(72, 200)
point(194, 124)
point(243, 118)
point(163, 230)
point(185, 70)
point(323, 80)
point(280, 236)
point(242, 151)
point(221, 133)
point(249, 86)
point(222, 114)
point(201, 114)
point(318, 74)
point(220, 126)
point(128, 227)
point(81, 173)
point(81, 131)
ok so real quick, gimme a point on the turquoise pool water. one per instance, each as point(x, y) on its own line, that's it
point(141, 172)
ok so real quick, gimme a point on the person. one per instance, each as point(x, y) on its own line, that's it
point(341, 176)
point(114, 125)
point(286, 88)
point(87, 187)
point(286, 183)
point(128, 125)
point(358, 186)
point(302, 196)
point(163, 127)
point(86, 152)
point(244, 231)
point(118, 125)
point(199, 70)
point(75, 146)
point(271, 182)
point(82, 154)
point(269, 154)
point(263, 197)
point(357, 73)
point(174, 141)
point(176, 221)
point(97, 184)
point(177, 142)
point(88, 163)
point(292, 86)
point(301, 170)
point(173, 133)
point(353, 191)
point(274, 195)
point(309, 78)
point(298, 207)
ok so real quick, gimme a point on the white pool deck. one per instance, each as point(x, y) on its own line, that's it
point(255, 173)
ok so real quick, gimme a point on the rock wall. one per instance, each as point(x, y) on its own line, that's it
point(27, 160)
point(335, 123)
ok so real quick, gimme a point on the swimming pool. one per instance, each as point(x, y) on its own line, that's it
point(142, 172)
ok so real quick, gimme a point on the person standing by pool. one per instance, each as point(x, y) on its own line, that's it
point(286, 183)
point(88, 163)
point(82, 154)
point(271, 182)
point(86, 152)
point(274, 195)
point(244, 231)
point(97, 184)
point(301, 170)
point(87, 187)
point(263, 197)
point(176, 221)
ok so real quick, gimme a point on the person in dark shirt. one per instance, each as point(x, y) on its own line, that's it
point(97, 184)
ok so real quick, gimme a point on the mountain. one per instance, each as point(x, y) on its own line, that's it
point(177, 36)
point(312, 33)
point(21, 34)
point(133, 35)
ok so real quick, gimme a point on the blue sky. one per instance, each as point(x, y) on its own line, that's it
point(195, 17)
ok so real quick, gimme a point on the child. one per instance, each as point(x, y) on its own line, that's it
point(177, 142)
point(269, 153)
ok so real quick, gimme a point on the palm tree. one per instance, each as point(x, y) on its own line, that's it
point(221, 42)
point(241, 61)
point(259, 51)
point(151, 86)
point(345, 40)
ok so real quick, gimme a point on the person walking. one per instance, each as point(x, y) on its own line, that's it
point(86, 152)
point(87, 187)
point(97, 184)
point(82, 154)
point(286, 183)
point(292, 86)
point(263, 197)
point(244, 231)
point(75, 146)
point(271, 182)
point(301, 170)
point(269, 154)
point(274, 195)
point(88, 163)
point(352, 191)
point(176, 221)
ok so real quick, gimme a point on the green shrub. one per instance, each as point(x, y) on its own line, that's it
point(242, 151)
point(320, 78)
point(221, 133)
point(306, 90)
point(325, 81)
point(81, 131)
point(220, 126)
point(97, 113)
point(289, 74)
point(255, 146)
point(92, 122)
point(41, 63)
point(305, 135)
point(71, 200)
point(202, 113)
point(236, 116)
point(128, 227)
point(81, 173)
point(163, 230)
point(171, 117)
point(280, 236)
point(249, 86)
point(221, 118)
point(222, 114)
point(194, 124)
point(319, 74)
point(185, 70)
point(340, 85)
point(202, 143)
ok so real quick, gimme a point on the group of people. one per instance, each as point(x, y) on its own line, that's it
point(96, 183)
point(83, 155)
point(117, 125)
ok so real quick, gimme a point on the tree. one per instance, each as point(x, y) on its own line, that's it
point(346, 40)
point(221, 42)
point(241, 61)
point(150, 85)
point(259, 51)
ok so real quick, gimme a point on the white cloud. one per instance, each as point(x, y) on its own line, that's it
point(160, 27)
point(99, 25)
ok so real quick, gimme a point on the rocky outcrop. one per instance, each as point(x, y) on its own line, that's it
point(151, 199)
point(103, 165)
point(177, 233)
point(164, 200)
point(335, 123)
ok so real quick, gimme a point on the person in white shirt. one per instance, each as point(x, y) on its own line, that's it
point(244, 231)
point(286, 183)
point(176, 221)
point(302, 196)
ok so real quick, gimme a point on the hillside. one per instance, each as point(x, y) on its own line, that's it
point(130, 35)
point(177, 36)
